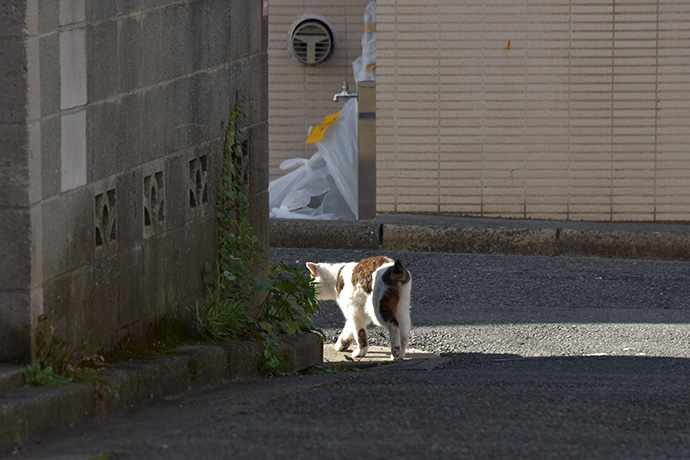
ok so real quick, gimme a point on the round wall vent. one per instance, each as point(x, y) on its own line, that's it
point(311, 42)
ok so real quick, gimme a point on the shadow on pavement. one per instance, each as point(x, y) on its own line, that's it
point(644, 368)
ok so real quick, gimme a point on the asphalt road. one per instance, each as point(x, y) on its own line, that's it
point(544, 358)
point(532, 305)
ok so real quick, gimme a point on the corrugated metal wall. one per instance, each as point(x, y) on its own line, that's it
point(563, 109)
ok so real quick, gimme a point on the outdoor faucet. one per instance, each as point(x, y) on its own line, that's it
point(344, 93)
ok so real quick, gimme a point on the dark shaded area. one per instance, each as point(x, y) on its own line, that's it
point(476, 406)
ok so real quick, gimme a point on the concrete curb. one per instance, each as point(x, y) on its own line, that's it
point(399, 232)
point(27, 412)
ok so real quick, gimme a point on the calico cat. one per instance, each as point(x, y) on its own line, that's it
point(376, 289)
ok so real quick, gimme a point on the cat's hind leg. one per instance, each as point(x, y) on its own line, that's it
point(404, 338)
point(346, 337)
point(362, 343)
point(397, 346)
point(405, 324)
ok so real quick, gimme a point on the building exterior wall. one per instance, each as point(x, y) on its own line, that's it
point(551, 109)
point(116, 140)
point(301, 95)
point(15, 217)
point(534, 108)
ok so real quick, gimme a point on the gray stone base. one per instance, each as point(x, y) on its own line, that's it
point(27, 413)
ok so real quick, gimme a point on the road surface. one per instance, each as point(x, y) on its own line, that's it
point(542, 358)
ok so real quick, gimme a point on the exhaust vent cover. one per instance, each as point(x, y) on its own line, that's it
point(311, 42)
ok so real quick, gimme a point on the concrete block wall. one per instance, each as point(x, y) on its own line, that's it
point(15, 215)
point(534, 108)
point(302, 95)
point(117, 133)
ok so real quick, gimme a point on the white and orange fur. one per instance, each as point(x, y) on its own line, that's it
point(376, 289)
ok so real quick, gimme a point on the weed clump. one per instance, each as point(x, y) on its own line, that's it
point(243, 300)
point(56, 363)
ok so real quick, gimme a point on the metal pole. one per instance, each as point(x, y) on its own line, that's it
point(366, 142)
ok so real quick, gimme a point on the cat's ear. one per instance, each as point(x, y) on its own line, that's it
point(314, 268)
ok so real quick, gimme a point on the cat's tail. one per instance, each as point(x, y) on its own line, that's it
point(399, 273)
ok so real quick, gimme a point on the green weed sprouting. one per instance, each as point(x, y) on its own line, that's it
point(291, 300)
point(335, 368)
point(55, 363)
point(39, 374)
point(237, 280)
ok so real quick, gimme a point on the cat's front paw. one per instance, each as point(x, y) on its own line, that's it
point(359, 352)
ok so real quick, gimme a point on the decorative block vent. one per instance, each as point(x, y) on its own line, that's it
point(311, 42)
point(106, 218)
point(154, 201)
point(198, 181)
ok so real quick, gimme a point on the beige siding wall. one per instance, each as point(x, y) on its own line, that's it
point(300, 96)
point(556, 109)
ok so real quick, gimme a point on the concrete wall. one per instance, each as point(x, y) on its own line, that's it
point(15, 221)
point(115, 154)
point(302, 95)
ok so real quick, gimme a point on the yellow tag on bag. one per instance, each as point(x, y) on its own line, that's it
point(317, 132)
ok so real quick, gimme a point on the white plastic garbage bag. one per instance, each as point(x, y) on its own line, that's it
point(364, 67)
point(325, 185)
point(295, 190)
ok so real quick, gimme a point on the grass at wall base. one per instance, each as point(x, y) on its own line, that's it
point(243, 300)
point(56, 363)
